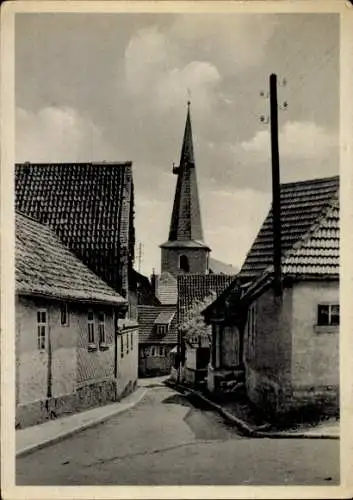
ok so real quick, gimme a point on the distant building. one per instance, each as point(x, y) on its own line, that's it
point(90, 207)
point(194, 290)
point(72, 350)
point(287, 344)
point(157, 337)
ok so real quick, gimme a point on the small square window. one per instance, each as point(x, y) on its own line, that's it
point(328, 314)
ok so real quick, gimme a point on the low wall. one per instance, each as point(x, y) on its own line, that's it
point(85, 397)
point(274, 398)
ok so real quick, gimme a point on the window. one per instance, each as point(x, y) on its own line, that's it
point(90, 326)
point(42, 327)
point(251, 330)
point(161, 329)
point(127, 343)
point(328, 314)
point(153, 351)
point(122, 346)
point(161, 351)
point(131, 341)
point(64, 314)
point(101, 328)
point(184, 263)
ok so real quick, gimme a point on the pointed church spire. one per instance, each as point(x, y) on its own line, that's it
point(186, 218)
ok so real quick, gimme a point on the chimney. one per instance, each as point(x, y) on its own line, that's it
point(154, 283)
point(276, 189)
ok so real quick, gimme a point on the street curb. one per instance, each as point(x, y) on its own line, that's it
point(246, 429)
point(65, 434)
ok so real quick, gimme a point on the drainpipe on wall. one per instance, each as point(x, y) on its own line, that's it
point(50, 371)
point(276, 188)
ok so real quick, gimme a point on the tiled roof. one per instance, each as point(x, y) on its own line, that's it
point(166, 288)
point(147, 316)
point(302, 205)
point(90, 208)
point(218, 267)
point(196, 287)
point(45, 267)
point(317, 253)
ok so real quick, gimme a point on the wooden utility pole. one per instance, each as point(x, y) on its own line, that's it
point(276, 187)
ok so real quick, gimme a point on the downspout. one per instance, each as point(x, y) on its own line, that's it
point(116, 316)
point(50, 371)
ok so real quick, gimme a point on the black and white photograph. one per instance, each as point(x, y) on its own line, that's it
point(177, 297)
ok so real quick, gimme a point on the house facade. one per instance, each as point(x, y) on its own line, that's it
point(194, 292)
point(288, 344)
point(157, 338)
point(72, 351)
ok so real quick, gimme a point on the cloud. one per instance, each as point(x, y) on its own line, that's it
point(158, 77)
point(59, 134)
point(236, 42)
point(297, 140)
point(232, 219)
point(307, 150)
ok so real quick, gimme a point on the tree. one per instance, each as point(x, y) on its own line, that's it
point(194, 327)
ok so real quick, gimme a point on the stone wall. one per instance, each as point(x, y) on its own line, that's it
point(197, 257)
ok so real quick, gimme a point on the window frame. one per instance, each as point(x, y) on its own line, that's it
point(121, 346)
point(184, 258)
point(40, 325)
point(101, 329)
point(90, 328)
point(329, 325)
point(64, 308)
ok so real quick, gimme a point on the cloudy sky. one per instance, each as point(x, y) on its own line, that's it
point(95, 87)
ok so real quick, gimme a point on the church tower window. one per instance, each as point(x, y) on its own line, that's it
point(184, 263)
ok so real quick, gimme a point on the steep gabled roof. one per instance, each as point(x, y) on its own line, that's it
point(90, 208)
point(185, 225)
point(166, 288)
point(194, 288)
point(303, 204)
point(44, 267)
point(147, 316)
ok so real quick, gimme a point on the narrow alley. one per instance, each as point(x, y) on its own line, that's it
point(171, 439)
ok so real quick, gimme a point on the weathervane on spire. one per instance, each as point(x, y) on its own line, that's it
point(189, 96)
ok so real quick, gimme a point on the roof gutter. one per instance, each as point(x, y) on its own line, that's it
point(122, 302)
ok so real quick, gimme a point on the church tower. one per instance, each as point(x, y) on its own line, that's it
point(185, 251)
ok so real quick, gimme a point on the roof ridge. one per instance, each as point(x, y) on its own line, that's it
point(52, 238)
point(75, 163)
point(311, 181)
